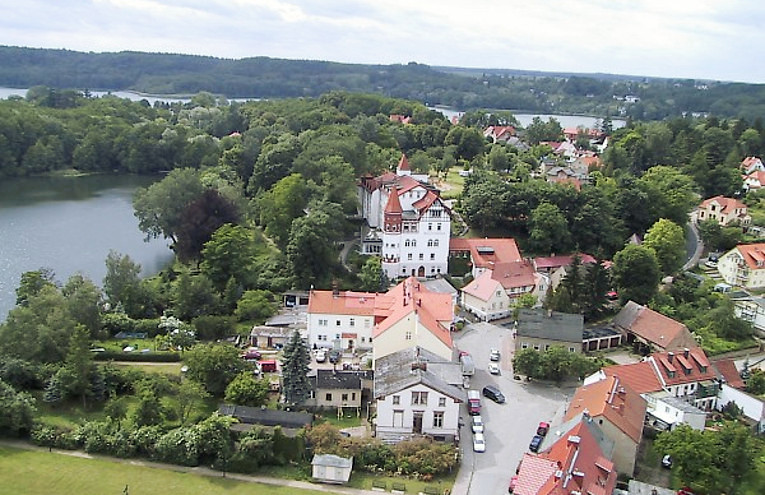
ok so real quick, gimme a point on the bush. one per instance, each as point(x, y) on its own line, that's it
point(178, 446)
point(149, 357)
point(209, 327)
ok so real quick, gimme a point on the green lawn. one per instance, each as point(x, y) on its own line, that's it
point(364, 481)
point(349, 418)
point(43, 473)
point(165, 368)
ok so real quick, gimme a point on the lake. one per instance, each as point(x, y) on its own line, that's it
point(69, 224)
point(526, 118)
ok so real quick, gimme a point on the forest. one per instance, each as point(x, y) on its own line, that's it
point(463, 89)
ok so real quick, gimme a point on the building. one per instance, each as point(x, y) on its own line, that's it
point(343, 320)
point(754, 180)
point(648, 329)
point(409, 224)
point(687, 374)
point(269, 337)
point(539, 330)
point(744, 265)
point(329, 468)
point(493, 294)
point(484, 254)
point(752, 164)
point(339, 388)
point(668, 411)
point(619, 411)
point(751, 309)
point(725, 211)
point(412, 397)
point(499, 133)
point(289, 420)
point(576, 462)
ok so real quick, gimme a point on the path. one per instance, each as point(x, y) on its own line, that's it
point(693, 245)
point(199, 470)
point(347, 246)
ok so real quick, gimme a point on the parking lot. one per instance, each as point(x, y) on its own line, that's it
point(509, 427)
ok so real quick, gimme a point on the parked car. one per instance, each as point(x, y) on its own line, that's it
point(666, 461)
point(321, 356)
point(494, 394)
point(513, 484)
point(334, 356)
point(251, 354)
point(710, 264)
point(685, 491)
point(612, 295)
point(494, 354)
point(493, 368)
point(477, 424)
point(479, 443)
point(535, 443)
point(543, 428)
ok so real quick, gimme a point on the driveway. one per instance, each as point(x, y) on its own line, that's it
point(510, 426)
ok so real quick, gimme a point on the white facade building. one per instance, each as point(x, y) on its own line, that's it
point(409, 223)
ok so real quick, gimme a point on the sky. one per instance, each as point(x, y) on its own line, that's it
point(694, 39)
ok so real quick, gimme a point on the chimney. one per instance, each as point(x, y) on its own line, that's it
point(335, 289)
point(686, 352)
point(419, 302)
point(670, 356)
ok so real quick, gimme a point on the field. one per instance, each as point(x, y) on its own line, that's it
point(43, 473)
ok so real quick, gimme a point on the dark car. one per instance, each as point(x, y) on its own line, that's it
point(494, 394)
point(535, 443)
point(334, 356)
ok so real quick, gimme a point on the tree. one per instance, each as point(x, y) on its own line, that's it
point(32, 283)
point(116, 409)
point(282, 204)
point(548, 229)
point(200, 219)
point(724, 322)
point(671, 193)
point(18, 410)
point(214, 366)
point(295, 363)
point(148, 411)
point(310, 252)
point(371, 275)
point(160, 207)
point(193, 296)
point(527, 362)
point(121, 281)
point(667, 240)
point(255, 305)
point(83, 302)
point(636, 273)
point(230, 253)
point(79, 362)
point(245, 390)
point(597, 282)
point(188, 395)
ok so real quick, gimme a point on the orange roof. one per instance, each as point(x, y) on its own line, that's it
point(653, 327)
point(727, 368)
point(403, 163)
point(749, 161)
point(614, 400)
point(727, 204)
point(515, 274)
point(482, 287)
point(641, 377)
point(693, 368)
point(555, 262)
point(753, 254)
point(394, 204)
point(424, 202)
point(485, 253)
point(343, 303)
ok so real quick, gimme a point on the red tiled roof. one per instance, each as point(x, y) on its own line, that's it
point(555, 262)
point(394, 204)
point(342, 303)
point(424, 202)
point(753, 254)
point(727, 368)
point(614, 400)
point(533, 473)
point(515, 274)
point(653, 327)
point(403, 163)
point(485, 253)
point(726, 204)
point(641, 377)
point(482, 287)
point(686, 369)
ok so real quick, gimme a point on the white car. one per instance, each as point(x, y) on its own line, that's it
point(321, 356)
point(493, 368)
point(477, 424)
point(479, 443)
point(494, 355)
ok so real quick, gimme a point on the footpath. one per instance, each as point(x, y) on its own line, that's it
point(199, 470)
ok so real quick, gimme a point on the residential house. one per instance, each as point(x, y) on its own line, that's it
point(754, 180)
point(409, 224)
point(493, 294)
point(724, 211)
point(550, 264)
point(744, 265)
point(343, 320)
point(499, 133)
point(564, 175)
point(669, 411)
point(441, 285)
point(268, 337)
point(401, 119)
point(688, 374)
point(412, 398)
point(649, 329)
point(339, 388)
point(576, 461)
point(619, 411)
point(289, 420)
point(330, 468)
point(539, 330)
point(751, 309)
point(484, 254)
point(752, 164)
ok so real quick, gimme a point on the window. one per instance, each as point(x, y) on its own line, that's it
point(322, 337)
point(430, 226)
point(408, 335)
point(407, 243)
point(353, 395)
point(414, 242)
point(432, 256)
point(438, 419)
point(352, 322)
point(524, 346)
point(420, 398)
point(547, 347)
point(366, 323)
point(438, 227)
point(337, 323)
point(571, 349)
point(363, 339)
point(396, 400)
point(430, 242)
point(536, 347)
point(344, 397)
point(328, 397)
point(323, 323)
point(442, 402)
point(435, 242)
point(409, 256)
point(422, 256)
point(337, 335)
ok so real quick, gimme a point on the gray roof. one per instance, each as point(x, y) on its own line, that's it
point(266, 417)
point(331, 460)
point(265, 330)
point(628, 314)
point(331, 379)
point(550, 325)
point(680, 404)
point(440, 285)
point(561, 431)
point(394, 373)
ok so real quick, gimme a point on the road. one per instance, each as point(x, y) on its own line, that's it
point(693, 245)
point(509, 426)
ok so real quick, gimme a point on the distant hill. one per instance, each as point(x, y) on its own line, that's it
point(462, 88)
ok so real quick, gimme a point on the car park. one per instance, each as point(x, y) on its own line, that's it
point(493, 368)
point(479, 443)
point(494, 394)
point(536, 442)
point(543, 428)
point(494, 354)
point(477, 424)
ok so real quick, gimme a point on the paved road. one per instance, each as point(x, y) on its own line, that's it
point(693, 245)
point(509, 426)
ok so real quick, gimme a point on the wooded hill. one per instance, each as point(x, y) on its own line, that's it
point(464, 89)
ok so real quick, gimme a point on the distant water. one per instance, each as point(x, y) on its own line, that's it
point(130, 95)
point(526, 118)
point(69, 224)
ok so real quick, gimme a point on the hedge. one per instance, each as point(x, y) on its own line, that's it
point(149, 357)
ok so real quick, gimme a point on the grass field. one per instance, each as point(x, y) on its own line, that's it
point(43, 473)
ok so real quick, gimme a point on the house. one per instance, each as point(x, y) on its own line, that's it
point(619, 411)
point(493, 294)
point(564, 175)
point(329, 468)
point(499, 133)
point(441, 285)
point(539, 330)
point(648, 329)
point(413, 398)
point(401, 119)
point(754, 180)
point(267, 417)
point(339, 388)
point(744, 265)
point(752, 164)
point(415, 317)
point(484, 254)
point(669, 411)
point(751, 406)
point(751, 309)
point(549, 264)
point(343, 320)
point(724, 211)
point(577, 461)
point(687, 374)
point(268, 337)
point(409, 224)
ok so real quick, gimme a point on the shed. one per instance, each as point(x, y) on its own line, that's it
point(328, 468)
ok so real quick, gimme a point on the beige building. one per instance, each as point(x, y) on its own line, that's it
point(744, 266)
point(724, 211)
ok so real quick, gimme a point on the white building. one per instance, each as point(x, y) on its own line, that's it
point(408, 221)
point(343, 320)
point(744, 265)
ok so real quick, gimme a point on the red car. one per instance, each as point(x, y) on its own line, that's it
point(513, 484)
point(685, 491)
point(543, 428)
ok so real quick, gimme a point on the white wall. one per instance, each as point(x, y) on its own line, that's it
point(752, 407)
point(322, 335)
point(386, 408)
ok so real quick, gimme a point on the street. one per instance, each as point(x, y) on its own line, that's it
point(510, 426)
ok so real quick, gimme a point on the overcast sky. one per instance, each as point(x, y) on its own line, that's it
point(697, 39)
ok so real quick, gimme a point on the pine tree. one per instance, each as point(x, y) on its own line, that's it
point(295, 370)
